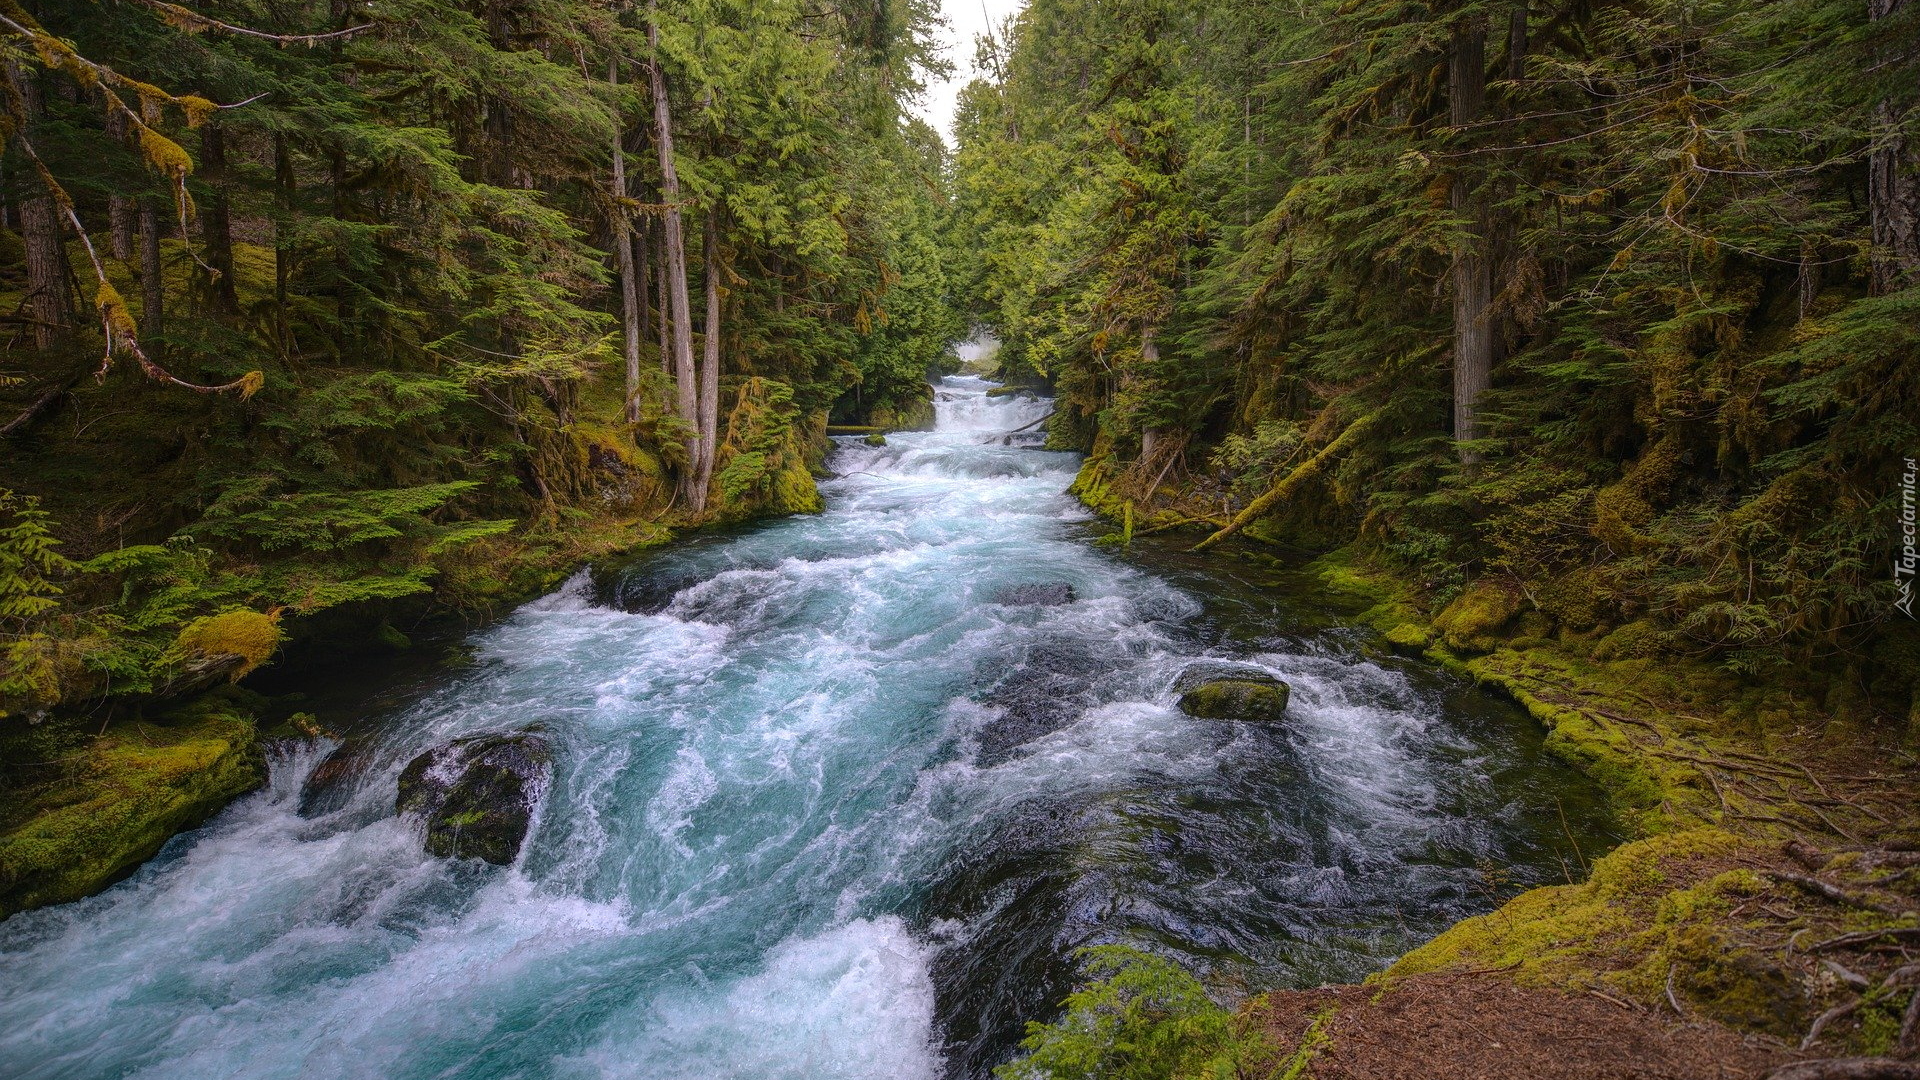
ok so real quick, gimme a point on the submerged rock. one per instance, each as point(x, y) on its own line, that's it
point(332, 781)
point(1244, 697)
point(1036, 595)
point(477, 794)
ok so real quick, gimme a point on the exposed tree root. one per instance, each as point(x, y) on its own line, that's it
point(1834, 893)
point(1848, 1069)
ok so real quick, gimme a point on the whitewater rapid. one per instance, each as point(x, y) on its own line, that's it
point(831, 800)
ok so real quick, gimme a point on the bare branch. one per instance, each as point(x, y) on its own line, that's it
point(194, 22)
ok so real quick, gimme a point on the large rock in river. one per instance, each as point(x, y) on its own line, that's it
point(1248, 696)
point(478, 794)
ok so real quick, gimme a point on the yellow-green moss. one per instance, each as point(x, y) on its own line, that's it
point(1638, 640)
point(1623, 927)
point(249, 635)
point(1474, 618)
point(121, 798)
point(1093, 486)
point(1390, 604)
point(1410, 637)
point(1632, 929)
point(1621, 510)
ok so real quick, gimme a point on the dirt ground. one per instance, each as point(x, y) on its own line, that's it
point(1468, 1026)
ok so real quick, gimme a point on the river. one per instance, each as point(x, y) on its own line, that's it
point(832, 798)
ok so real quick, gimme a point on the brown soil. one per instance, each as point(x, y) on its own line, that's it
point(1456, 1027)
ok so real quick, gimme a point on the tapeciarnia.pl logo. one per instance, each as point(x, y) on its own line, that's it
point(1905, 562)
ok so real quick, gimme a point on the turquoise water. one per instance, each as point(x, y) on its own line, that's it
point(825, 805)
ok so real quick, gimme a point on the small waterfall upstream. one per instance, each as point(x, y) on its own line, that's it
point(834, 796)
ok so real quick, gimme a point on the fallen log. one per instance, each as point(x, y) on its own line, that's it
point(1305, 471)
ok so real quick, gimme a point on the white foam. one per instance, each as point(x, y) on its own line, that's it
point(853, 1003)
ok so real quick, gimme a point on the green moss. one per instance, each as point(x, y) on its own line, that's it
point(1093, 486)
point(1475, 617)
point(1389, 606)
point(1237, 699)
point(1633, 925)
point(1577, 600)
point(1638, 640)
point(249, 635)
point(1411, 638)
point(124, 795)
point(915, 414)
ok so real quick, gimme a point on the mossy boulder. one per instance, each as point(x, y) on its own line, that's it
point(477, 795)
point(1244, 697)
point(1473, 621)
point(118, 801)
point(875, 439)
point(1642, 639)
point(1410, 638)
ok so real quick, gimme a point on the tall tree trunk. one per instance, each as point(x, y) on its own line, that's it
point(676, 249)
point(709, 364)
point(216, 230)
point(1517, 43)
point(283, 182)
point(664, 324)
point(630, 300)
point(49, 299)
point(1149, 356)
point(642, 270)
point(120, 208)
point(152, 281)
point(121, 216)
point(1893, 187)
point(1472, 265)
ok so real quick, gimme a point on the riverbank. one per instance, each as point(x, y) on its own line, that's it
point(89, 793)
point(1768, 898)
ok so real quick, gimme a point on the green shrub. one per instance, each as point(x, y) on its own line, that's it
point(1143, 1018)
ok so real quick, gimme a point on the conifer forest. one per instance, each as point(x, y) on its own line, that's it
point(1155, 539)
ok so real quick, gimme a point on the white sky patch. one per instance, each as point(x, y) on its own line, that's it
point(966, 20)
